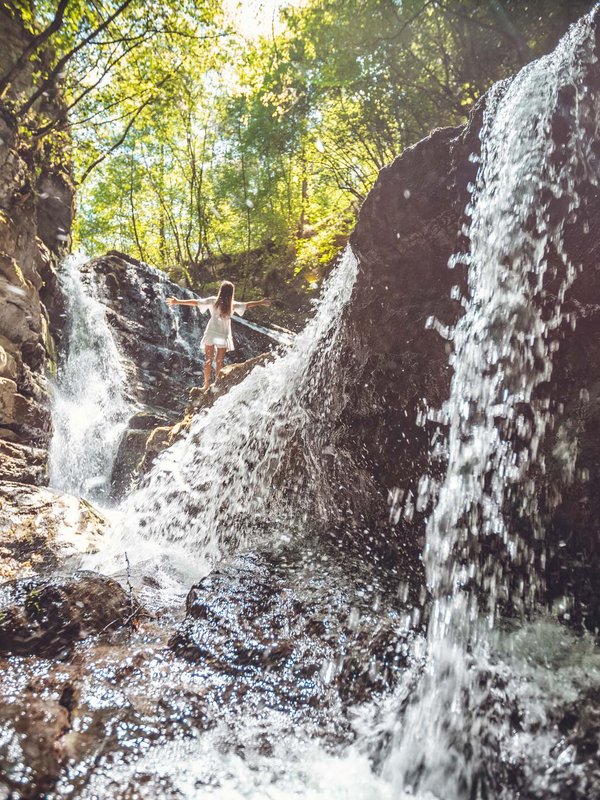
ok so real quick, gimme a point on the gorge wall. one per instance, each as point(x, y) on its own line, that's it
point(36, 210)
point(410, 225)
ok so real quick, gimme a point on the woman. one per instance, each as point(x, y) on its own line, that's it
point(217, 335)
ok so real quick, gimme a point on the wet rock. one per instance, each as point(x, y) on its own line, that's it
point(298, 629)
point(164, 436)
point(45, 616)
point(31, 756)
point(158, 440)
point(40, 527)
point(230, 376)
point(124, 472)
point(21, 463)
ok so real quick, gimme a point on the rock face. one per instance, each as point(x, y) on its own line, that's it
point(161, 346)
point(409, 227)
point(36, 208)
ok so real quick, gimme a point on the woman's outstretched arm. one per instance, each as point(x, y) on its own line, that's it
point(252, 303)
point(175, 301)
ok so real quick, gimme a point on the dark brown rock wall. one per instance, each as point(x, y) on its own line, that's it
point(410, 225)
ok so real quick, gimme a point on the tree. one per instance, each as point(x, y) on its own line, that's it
point(271, 145)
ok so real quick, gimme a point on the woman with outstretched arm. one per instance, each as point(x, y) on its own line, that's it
point(217, 335)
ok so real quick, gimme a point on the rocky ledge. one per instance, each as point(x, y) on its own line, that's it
point(164, 436)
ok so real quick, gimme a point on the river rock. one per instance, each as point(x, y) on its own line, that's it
point(32, 757)
point(40, 527)
point(45, 616)
point(297, 627)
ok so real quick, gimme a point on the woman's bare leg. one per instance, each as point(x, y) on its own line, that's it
point(209, 354)
point(220, 358)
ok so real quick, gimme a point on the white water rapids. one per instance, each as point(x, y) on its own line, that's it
point(90, 406)
point(256, 466)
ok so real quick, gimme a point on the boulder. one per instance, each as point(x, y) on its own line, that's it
point(46, 616)
point(397, 369)
point(39, 528)
point(302, 629)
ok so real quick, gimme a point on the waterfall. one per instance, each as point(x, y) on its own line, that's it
point(256, 457)
point(537, 150)
point(90, 407)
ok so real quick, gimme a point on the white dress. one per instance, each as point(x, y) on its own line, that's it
point(218, 330)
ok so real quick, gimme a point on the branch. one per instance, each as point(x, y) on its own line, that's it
point(33, 46)
point(67, 57)
point(62, 117)
point(408, 22)
point(116, 144)
point(104, 110)
point(128, 127)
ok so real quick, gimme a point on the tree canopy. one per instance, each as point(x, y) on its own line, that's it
point(193, 142)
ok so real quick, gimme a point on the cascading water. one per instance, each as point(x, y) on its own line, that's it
point(105, 375)
point(225, 478)
point(535, 156)
point(262, 458)
point(90, 407)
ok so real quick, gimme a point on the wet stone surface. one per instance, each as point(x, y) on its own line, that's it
point(39, 527)
point(305, 633)
point(45, 616)
point(270, 648)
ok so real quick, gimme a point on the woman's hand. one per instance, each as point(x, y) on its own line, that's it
point(172, 301)
point(265, 301)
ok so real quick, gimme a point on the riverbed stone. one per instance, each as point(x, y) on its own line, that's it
point(39, 528)
point(300, 626)
point(45, 616)
point(31, 755)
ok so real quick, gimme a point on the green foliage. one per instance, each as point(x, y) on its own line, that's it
point(192, 142)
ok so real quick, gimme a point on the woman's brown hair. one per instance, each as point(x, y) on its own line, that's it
point(224, 301)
